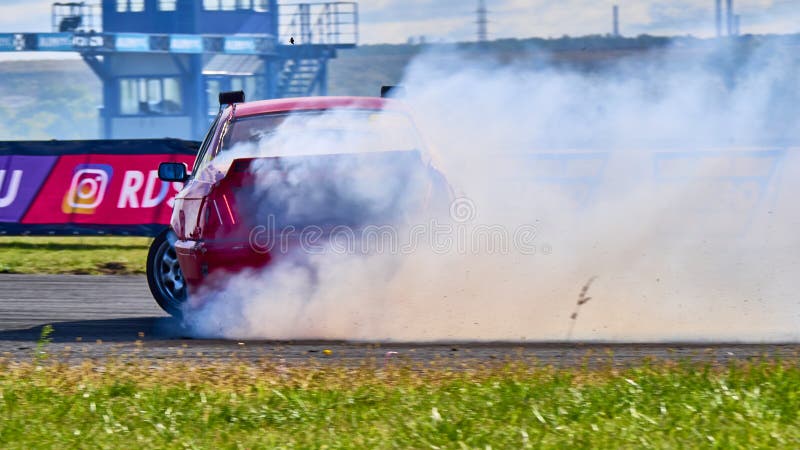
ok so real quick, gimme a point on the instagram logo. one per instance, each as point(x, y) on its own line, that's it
point(87, 189)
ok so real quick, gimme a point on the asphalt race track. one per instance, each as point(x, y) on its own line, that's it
point(97, 316)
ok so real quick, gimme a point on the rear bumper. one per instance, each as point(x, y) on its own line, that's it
point(203, 261)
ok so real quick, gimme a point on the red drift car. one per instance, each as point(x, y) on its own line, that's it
point(267, 170)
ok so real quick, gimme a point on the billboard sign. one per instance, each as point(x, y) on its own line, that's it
point(7, 42)
point(90, 187)
point(106, 189)
point(132, 42)
point(240, 45)
point(54, 41)
point(185, 43)
point(21, 177)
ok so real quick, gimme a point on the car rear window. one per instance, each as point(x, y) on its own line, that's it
point(321, 132)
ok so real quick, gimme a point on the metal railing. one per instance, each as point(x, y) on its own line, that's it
point(329, 23)
point(76, 16)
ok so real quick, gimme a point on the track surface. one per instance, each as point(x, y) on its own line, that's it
point(97, 316)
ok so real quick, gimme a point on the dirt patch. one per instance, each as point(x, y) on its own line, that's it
point(113, 268)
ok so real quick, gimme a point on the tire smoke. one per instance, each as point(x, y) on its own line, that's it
point(667, 179)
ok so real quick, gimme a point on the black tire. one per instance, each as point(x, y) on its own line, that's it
point(164, 276)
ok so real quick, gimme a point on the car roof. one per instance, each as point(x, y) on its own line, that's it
point(311, 104)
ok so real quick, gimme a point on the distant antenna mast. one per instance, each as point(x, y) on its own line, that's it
point(718, 16)
point(483, 21)
point(616, 20)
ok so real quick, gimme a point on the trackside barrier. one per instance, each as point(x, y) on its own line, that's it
point(88, 187)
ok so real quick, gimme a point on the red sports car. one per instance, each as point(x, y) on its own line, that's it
point(269, 169)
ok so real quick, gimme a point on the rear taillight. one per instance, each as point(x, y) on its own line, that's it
point(221, 215)
point(223, 212)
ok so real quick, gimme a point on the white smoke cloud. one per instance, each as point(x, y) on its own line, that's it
point(670, 180)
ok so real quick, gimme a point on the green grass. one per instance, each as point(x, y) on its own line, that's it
point(73, 255)
point(191, 404)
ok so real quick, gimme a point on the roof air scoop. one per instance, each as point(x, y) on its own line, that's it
point(393, 91)
point(230, 98)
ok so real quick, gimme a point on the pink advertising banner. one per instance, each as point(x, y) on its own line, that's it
point(87, 193)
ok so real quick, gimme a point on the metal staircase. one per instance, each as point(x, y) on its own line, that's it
point(299, 77)
point(318, 30)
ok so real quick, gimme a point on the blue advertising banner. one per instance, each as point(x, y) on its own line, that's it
point(137, 43)
point(54, 41)
point(186, 43)
point(240, 45)
point(132, 42)
point(7, 42)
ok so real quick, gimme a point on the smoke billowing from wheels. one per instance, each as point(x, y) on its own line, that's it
point(479, 208)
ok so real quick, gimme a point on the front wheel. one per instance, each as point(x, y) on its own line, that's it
point(164, 276)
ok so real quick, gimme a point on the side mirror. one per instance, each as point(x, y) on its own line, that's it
point(172, 171)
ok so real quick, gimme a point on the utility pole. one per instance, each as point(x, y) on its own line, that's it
point(483, 21)
point(718, 16)
point(616, 20)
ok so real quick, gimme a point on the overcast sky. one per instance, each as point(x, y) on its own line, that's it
point(395, 21)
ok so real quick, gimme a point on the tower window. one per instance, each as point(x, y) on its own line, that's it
point(130, 6)
point(167, 5)
point(232, 5)
point(150, 96)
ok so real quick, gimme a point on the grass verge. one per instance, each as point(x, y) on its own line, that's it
point(74, 255)
point(194, 404)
